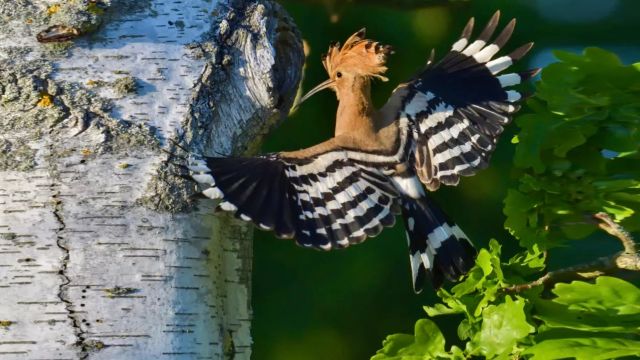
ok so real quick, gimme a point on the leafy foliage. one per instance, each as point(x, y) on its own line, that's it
point(576, 155)
point(577, 150)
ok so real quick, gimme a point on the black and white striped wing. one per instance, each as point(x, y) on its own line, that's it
point(458, 107)
point(326, 201)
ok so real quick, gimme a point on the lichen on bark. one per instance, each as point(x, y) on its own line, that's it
point(16, 155)
point(33, 104)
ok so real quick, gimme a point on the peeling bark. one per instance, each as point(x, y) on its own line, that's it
point(104, 253)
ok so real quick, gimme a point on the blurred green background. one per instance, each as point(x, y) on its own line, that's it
point(341, 304)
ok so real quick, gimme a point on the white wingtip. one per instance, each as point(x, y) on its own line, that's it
point(227, 206)
point(499, 64)
point(513, 96)
point(486, 54)
point(474, 47)
point(204, 179)
point(198, 166)
point(265, 227)
point(213, 193)
point(507, 80)
point(459, 45)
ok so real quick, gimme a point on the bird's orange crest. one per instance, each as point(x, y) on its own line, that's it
point(358, 55)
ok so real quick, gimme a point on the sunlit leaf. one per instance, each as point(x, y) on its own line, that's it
point(586, 348)
point(428, 342)
point(606, 293)
point(527, 262)
point(502, 326)
point(441, 309)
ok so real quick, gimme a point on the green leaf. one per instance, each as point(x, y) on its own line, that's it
point(607, 293)
point(531, 140)
point(619, 212)
point(520, 211)
point(441, 309)
point(473, 281)
point(392, 345)
point(567, 138)
point(527, 262)
point(617, 184)
point(427, 343)
point(466, 329)
point(484, 262)
point(602, 57)
point(495, 249)
point(555, 315)
point(488, 295)
point(587, 348)
point(589, 321)
point(502, 326)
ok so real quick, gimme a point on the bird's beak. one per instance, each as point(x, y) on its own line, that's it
point(325, 84)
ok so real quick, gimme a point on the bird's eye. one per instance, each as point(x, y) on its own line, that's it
point(339, 74)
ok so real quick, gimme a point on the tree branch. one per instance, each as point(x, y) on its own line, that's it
point(616, 230)
point(628, 259)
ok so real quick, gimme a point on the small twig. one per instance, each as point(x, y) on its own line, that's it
point(616, 230)
point(628, 259)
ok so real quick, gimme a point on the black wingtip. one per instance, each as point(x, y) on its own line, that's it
point(432, 56)
point(418, 282)
point(526, 75)
point(468, 29)
point(491, 27)
point(361, 33)
point(521, 51)
point(506, 33)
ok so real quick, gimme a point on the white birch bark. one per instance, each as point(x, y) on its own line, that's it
point(104, 253)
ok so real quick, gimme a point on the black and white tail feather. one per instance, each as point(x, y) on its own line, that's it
point(451, 116)
point(438, 248)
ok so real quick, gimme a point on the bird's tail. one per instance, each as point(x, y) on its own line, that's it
point(438, 249)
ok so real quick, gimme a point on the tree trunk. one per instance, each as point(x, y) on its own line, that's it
point(104, 251)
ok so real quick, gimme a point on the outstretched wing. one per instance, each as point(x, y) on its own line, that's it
point(458, 107)
point(324, 201)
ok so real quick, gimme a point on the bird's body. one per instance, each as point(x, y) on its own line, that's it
point(441, 125)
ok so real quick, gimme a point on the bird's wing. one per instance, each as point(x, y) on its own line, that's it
point(324, 199)
point(458, 107)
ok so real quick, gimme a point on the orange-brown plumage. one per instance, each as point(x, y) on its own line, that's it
point(351, 67)
point(360, 56)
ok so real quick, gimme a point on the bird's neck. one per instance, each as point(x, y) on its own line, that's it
point(355, 109)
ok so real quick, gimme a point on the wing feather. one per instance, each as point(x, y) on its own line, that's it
point(324, 201)
point(457, 108)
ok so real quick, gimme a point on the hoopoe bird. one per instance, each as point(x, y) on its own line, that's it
point(441, 125)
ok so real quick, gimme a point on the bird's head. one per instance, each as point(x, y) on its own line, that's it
point(358, 59)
